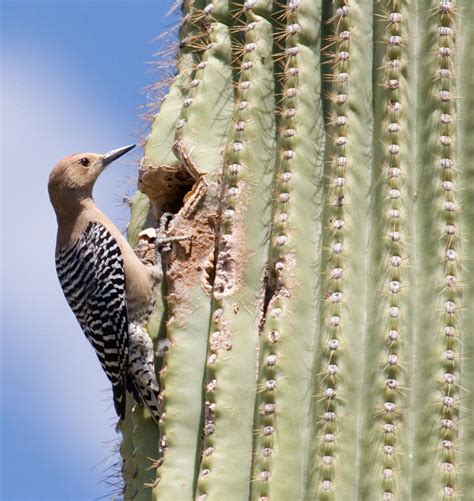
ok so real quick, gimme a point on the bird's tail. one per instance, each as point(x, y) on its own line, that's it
point(145, 391)
point(142, 381)
point(120, 397)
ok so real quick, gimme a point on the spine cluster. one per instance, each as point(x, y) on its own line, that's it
point(251, 48)
point(446, 115)
point(272, 361)
point(200, 41)
point(340, 58)
point(129, 466)
point(194, 48)
point(395, 233)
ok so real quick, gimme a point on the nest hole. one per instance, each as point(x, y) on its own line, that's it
point(166, 187)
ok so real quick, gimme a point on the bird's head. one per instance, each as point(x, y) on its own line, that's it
point(73, 178)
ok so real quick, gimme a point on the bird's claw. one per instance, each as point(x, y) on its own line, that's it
point(162, 241)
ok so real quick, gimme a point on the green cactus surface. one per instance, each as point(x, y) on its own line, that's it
point(315, 328)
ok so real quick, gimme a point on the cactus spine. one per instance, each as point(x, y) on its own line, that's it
point(320, 320)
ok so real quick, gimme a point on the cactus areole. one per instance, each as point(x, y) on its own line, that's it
point(314, 335)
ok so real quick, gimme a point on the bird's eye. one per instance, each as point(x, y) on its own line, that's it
point(85, 162)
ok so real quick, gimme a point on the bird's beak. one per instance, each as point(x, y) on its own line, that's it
point(114, 154)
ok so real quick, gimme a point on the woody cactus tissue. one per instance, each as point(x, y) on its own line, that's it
point(315, 332)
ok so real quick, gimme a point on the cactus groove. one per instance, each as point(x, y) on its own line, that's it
point(319, 322)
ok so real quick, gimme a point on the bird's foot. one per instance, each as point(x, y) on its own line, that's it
point(162, 240)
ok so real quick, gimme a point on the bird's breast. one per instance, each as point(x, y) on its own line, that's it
point(138, 284)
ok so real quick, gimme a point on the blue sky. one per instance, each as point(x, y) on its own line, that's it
point(72, 75)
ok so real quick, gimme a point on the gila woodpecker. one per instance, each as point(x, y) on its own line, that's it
point(106, 285)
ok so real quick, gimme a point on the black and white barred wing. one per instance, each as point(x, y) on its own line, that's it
point(92, 277)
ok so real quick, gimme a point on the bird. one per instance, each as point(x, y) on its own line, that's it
point(109, 289)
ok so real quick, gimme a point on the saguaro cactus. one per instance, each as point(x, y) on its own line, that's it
point(316, 331)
